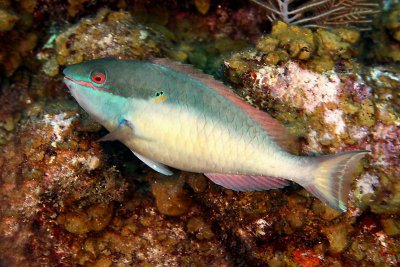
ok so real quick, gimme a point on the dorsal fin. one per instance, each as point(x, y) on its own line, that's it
point(274, 128)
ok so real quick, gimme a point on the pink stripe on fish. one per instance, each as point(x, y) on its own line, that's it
point(88, 84)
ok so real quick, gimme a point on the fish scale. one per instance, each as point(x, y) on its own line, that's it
point(170, 114)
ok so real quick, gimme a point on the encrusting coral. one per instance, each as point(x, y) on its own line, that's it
point(49, 167)
point(117, 35)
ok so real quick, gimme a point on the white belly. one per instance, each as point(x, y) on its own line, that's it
point(183, 140)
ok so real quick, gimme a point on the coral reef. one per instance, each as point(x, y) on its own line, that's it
point(46, 168)
point(330, 108)
point(67, 200)
point(287, 228)
point(123, 35)
point(63, 204)
point(171, 198)
point(139, 235)
point(321, 50)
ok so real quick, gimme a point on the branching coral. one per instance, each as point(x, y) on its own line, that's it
point(326, 13)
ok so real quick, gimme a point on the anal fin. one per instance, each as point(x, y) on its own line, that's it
point(157, 166)
point(246, 182)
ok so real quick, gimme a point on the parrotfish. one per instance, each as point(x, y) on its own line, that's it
point(171, 114)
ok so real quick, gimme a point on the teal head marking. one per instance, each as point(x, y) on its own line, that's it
point(128, 79)
point(97, 75)
point(105, 87)
point(97, 87)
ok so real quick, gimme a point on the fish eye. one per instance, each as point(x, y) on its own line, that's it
point(98, 77)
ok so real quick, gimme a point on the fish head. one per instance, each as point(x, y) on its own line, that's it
point(91, 79)
point(102, 87)
point(124, 78)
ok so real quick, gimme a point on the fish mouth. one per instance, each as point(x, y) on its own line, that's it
point(68, 78)
point(69, 82)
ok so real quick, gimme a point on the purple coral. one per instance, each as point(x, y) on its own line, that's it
point(357, 89)
point(386, 148)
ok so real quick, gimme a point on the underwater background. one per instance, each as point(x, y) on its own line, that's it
point(327, 69)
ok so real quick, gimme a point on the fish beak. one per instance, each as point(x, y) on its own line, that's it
point(68, 78)
point(69, 82)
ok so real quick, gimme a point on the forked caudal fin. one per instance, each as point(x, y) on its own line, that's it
point(333, 176)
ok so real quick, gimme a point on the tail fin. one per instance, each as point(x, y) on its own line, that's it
point(333, 176)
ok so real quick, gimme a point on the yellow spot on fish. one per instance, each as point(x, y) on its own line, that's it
point(160, 97)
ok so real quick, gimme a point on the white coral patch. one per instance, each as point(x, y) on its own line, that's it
point(90, 162)
point(382, 239)
point(367, 183)
point(143, 35)
point(59, 122)
point(261, 225)
point(335, 118)
point(358, 132)
point(300, 88)
point(378, 72)
point(313, 142)
point(106, 41)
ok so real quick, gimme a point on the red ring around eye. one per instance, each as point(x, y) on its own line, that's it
point(99, 78)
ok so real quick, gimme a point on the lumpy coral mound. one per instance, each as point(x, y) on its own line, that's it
point(116, 34)
point(334, 110)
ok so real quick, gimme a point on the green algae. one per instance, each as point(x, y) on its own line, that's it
point(322, 48)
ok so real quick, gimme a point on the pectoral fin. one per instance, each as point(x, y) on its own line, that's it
point(124, 131)
point(112, 136)
point(157, 166)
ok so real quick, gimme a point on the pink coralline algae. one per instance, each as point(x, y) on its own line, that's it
point(357, 88)
point(385, 146)
point(298, 87)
